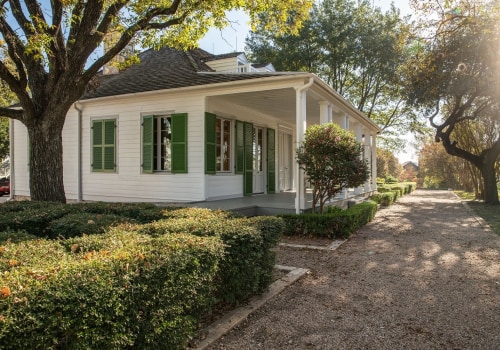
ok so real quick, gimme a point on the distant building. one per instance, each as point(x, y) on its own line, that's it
point(410, 165)
point(410, 172)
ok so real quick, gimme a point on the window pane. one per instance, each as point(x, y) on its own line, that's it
point(226, 147)
point(259, 151)
point(162, 157)
point(223, 144)
point(218, 148)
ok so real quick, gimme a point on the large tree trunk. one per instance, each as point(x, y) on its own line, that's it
point(46, 163)
point(490, 184)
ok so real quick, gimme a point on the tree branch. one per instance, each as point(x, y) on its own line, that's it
point(17, 52)
point(58, 45)
point(35, 11)
point(142, 24)
point(11, 113)
point(75, 20)
point(21, 19)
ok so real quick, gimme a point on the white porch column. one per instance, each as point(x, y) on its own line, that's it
point(347, 122)
point(343, 121)
point(323, 112)
point(330, 114)
point(368, 157)
point(374, 162)
point(301, 124)
point(359, 138)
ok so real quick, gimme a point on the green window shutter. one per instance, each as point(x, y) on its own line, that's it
point(248, 159)
point(109, 144)
point(210, 143)
point(240, 148)
point(179, 143)
point(97, 151)
point(147, 143)
point(103, 145)
point(271, 161)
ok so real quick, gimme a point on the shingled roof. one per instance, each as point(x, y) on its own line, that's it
point(162, 69)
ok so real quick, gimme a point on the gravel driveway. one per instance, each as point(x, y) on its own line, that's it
point(423, 275)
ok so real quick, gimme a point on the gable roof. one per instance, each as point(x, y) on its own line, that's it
point(166, 68)
point(410, 163)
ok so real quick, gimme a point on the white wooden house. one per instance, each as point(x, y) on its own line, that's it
point(192, 126)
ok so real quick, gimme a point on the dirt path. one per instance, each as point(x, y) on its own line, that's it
point(422, 275)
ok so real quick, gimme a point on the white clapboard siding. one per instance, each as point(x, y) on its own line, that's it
point(21, 159)
point(224, 65)
point(129, 183)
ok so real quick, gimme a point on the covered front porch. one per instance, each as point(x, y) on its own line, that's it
point(284, 105)
point(275, 204)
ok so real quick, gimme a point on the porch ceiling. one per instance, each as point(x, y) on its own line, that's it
point(278, 103)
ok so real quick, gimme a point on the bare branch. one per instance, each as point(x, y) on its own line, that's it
point(434, 115)
point(35, 11)
point(56, 29)
point(21, 19)
point(75, 22)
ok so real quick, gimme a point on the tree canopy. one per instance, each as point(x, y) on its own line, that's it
point(453, 76)
point(358, 50)
point(49, 45)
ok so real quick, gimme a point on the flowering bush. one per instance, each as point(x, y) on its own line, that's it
point(330, 156)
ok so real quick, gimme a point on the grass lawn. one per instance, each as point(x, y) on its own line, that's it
point(490, 213)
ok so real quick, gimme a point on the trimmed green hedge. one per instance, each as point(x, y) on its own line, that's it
point(385, 199)
point(334, 224)
point(130, 285)
point(32, 217)
point(77, 224)
point(248, 263)
point(133, 291)
point(389, 193)
point(45, 219)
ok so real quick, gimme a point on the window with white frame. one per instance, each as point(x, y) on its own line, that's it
point(164, 143)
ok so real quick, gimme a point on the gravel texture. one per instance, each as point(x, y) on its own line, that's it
point(423, 275)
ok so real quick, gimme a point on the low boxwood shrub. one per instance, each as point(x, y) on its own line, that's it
point(140, 212)
point(383, 188)
point(271, 229)
point(385, 199)
point(363, 212)
point(389, 179)
point(336, 224)
point(410, 186)
point(16, 206)
point(32, 217)
point(45, 219)
point(11, 236)
point(134, 291)
point(76, 224)
point(248, 263)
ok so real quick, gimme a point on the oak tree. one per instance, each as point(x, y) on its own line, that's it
point(359, 51)
point(454, 78)
point(50, 44)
